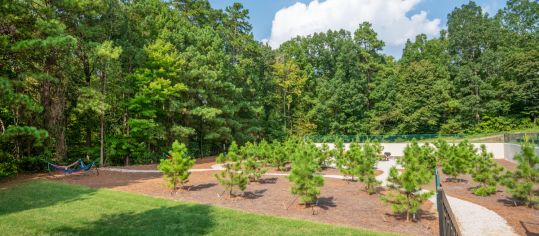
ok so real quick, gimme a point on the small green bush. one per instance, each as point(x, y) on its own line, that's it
point(484, 190)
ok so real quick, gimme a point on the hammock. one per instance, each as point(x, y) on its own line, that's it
point(67, 170)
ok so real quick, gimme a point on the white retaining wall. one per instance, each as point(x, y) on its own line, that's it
point(499, 150)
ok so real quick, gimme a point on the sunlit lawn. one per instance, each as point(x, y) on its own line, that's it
point(44, 207)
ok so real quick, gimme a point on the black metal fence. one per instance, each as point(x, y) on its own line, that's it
point(447, 221)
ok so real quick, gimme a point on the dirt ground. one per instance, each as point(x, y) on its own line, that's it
point(524, 220)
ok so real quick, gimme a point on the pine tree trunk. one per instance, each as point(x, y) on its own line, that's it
point(102, 119)
point(102, 139)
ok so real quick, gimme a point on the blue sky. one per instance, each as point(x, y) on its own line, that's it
point(394, 20)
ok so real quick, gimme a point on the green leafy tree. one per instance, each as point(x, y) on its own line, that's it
point(486, 172)
point(176, 168)
point(409, 195)
point(459, 160)
point(522, 182)
point(306, 182)
point(233, 176)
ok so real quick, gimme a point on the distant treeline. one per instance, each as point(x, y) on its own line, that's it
point(122, 80)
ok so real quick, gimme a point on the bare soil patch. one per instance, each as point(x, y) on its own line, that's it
point(524, 220)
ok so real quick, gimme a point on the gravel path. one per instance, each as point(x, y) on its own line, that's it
point(473, 219)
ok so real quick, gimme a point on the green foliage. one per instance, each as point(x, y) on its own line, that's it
point(409, 195)
point(252, 155)
point(8, 166)
point(486, 172)
point(280, 156)
point(459, 159)
point(367, 158)
point(325, 157)
point(522, 182)
point(233, 176)
point(176, 169)
point(124, 79)
point(348, 162)
point(443, 151)
point(306, 182)
point(342, 161)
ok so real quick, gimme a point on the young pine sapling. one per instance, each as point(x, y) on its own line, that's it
point(486, 172)
point(176, 168)
point(233, 176)
point(409, 195)
point(521, 183)
point(306, 182)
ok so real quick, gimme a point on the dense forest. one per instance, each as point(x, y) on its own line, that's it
point(120, 80)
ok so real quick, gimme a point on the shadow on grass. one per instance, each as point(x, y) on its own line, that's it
point(176, 220)
point(39, 194)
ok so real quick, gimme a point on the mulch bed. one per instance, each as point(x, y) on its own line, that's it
point(341, 202)
point(524, 220)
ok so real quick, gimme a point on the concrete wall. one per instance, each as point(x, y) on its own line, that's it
point(499, 150)
point(510, 150)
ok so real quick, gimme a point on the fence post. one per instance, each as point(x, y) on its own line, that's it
point(441, 215)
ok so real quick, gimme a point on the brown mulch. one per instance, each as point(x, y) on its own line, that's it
point(524, 220)
point(201, 163)
point(341, 202)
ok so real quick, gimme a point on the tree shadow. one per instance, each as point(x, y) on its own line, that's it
point(326, 202)
point(455, 180)
point(272, 180)
point(530, 228)
point(200, 186)
point(420, 215)
point(509, 202)
point(254, 194)
point(178, 220)
point(39, 194)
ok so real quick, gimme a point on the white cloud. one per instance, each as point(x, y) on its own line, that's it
point(387, 16)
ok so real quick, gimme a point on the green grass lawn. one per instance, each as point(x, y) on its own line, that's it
point(44, 208)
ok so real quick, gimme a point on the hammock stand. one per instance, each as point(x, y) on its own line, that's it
point(66, 169)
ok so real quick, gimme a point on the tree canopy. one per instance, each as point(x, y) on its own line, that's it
point(121, 80)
